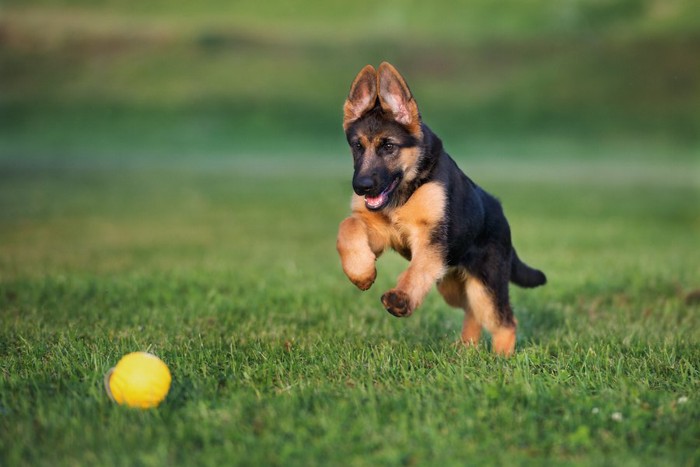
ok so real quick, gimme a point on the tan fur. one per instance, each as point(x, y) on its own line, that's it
point(408, 160)
point(356, 256)
point(453, 289)
point(415, 221)
point(503, 341)
point(461, 290)
point(482, 305)
point(406, 228)
point(471, 330)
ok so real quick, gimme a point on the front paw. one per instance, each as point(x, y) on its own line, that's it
point(397, 303)
point(365, 282)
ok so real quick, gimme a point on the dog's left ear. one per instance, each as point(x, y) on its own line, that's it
point(395, 97)
point(362, 97)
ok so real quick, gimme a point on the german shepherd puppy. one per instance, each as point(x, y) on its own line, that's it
point(411, 196)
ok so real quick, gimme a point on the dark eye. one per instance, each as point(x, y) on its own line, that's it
point(388, 147)
point(357, 146)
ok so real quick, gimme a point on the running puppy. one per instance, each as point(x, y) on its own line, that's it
point(411, 196)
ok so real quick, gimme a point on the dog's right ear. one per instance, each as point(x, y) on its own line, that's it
point(395, 97)
point(362, 97)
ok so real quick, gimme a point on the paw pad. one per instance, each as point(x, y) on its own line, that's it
point(396, 302)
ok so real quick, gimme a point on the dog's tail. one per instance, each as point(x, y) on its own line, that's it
point(523, 275)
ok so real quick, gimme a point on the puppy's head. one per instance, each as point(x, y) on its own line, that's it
point(383, 128)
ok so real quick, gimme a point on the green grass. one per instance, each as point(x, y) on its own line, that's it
point(230, 275)
point(181, 77)
point(171, 180)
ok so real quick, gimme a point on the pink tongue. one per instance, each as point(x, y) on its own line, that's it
point(375, 201)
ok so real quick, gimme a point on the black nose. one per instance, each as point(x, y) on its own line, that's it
point(362, 185)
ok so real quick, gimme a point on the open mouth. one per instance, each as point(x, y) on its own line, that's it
point(381, 200)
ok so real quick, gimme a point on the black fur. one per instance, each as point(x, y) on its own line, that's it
point(475, 234)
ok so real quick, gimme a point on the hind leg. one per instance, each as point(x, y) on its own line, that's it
point(453, 289)
point(492, 309)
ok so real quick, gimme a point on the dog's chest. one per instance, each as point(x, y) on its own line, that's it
point(411, 226)
point(408, 227)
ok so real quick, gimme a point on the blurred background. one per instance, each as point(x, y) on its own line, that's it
point(133, 83)
point(173, 172)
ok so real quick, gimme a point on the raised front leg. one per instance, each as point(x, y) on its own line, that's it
point(414, 283)
point(420, 220)
point(356, 254)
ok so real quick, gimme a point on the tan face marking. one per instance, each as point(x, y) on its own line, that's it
point(409, 163)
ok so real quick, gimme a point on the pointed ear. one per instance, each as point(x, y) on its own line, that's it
point(395, 97)
point(363, 95)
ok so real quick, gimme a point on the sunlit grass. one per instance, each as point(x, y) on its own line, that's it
point(172, 175)
point(233, 280)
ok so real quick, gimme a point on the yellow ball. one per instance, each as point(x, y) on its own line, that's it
point(139, 380)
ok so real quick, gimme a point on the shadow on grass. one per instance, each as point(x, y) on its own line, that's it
point(182, 393)
point(535, 327)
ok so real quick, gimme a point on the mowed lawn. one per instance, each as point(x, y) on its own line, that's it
point(230, 275)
